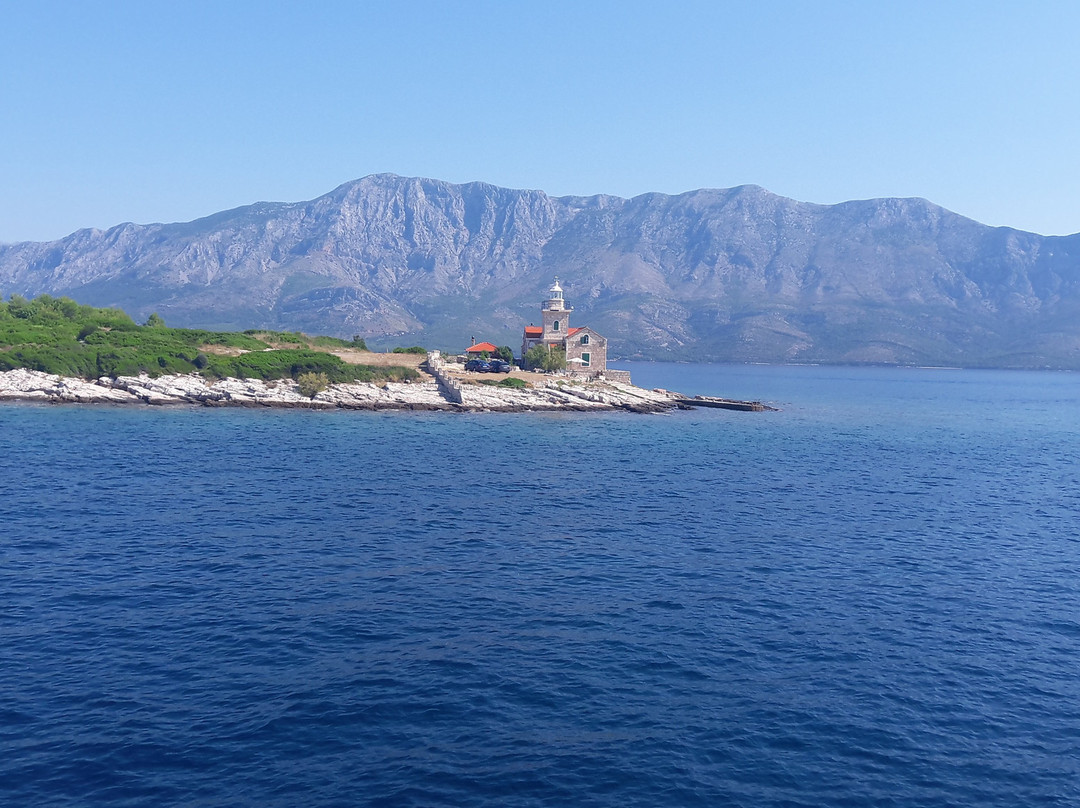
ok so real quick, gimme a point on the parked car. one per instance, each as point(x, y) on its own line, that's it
point(478, 366)
point(500, 366)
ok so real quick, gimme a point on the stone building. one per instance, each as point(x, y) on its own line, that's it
point(586, 350)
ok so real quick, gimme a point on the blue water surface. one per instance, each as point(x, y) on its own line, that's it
point(867, 598)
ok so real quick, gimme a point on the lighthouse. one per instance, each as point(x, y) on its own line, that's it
point(556, 316)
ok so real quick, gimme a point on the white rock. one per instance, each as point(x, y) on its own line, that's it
point(194, 389)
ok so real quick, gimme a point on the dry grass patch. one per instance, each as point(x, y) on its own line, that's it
point(379, 360)
point(533, 379)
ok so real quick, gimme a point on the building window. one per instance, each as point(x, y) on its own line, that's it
point(555, 326)
point(585, 360)
point(584, 339)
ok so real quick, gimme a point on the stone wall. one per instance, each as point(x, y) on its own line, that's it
point(550, 318)
point(450, 388)
point(596, 348)
point(620, 376)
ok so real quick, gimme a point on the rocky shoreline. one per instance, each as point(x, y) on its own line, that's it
point(556, 395)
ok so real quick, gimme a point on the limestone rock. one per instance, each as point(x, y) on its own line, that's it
point(30, 385)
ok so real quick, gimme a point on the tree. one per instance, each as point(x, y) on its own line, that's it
point(544, 358)
point(506, 354)
point(155, 320)
point(68, 307)
point(358, 343)
point(556, 359)
point(534, 357)
point(19, 306)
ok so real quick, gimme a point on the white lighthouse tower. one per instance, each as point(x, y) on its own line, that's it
point(556, 316)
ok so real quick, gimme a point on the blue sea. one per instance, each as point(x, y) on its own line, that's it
point(868, 598)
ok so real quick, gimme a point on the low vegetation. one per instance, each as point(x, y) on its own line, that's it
point(278, 338)
point(311, 384)
point(58, 335)
point(509, 381)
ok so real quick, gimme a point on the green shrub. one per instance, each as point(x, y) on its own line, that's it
point(19, 306)
point(226, 339)
point(311, 384)
point(512, 383)
point(330, 342)
point(415, 349)
point(282, 337)
point(291, 362)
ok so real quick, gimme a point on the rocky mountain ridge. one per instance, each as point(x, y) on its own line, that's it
point(737, 274)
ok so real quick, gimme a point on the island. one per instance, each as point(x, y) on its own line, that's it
point(56, 350)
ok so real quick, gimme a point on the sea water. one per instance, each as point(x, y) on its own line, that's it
point(867, 598)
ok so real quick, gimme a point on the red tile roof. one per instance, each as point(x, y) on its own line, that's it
point(534, 329)
point(480, 347)
point(573, 331)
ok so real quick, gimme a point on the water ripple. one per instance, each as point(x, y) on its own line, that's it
point(275, 608)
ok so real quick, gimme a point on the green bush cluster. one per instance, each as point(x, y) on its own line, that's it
point(311, 384)
point(57, 335)
point(291, 363)
point(509, 381)
point(225, 339)
point(415, 349)
point(302, 339)
point(331, 342)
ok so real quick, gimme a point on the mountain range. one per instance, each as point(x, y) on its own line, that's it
point(738, 274)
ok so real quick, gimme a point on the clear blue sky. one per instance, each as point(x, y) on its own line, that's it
point(166, 111)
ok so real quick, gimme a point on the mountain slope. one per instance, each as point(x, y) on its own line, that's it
point(737, 274)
